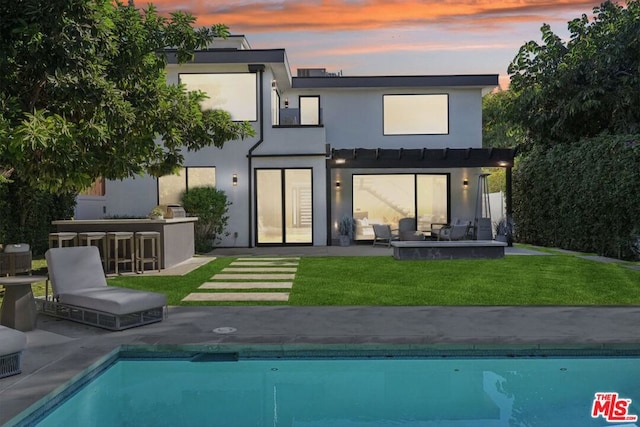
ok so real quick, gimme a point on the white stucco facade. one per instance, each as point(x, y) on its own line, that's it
point(350, 117)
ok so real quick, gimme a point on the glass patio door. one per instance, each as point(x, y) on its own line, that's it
point(284, 206)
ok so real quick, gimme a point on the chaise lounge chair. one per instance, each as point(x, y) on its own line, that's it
point(12, 343)
point(81, 294)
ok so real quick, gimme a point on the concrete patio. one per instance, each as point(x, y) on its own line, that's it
point(58, 350)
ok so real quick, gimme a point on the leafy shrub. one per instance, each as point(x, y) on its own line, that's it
point(26, 214)
point(580, 196)
point(211, 206)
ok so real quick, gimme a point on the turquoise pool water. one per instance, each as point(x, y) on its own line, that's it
point(349, 392)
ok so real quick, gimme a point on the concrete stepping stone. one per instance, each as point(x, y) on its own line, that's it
point(246, 285)
point(237, 296)
point(269, 259)
point(248, 276)
point(262, 263)
point(260, 269)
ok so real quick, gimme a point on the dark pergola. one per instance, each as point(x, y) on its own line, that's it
point(422, 158)
point(431, 158)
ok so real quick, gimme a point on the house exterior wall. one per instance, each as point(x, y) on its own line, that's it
point(345, 115)
point(130, 197)
point(350, 117)
point(229, 160)
point(353, 118)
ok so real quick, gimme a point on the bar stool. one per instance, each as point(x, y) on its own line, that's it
point(59, 239)
point(154, 242)
point(88, 238)
point(114, 239)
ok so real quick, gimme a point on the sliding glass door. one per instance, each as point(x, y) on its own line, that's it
point(284, 206)
point(388, 198)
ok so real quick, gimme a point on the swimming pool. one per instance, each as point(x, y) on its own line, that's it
point(228, 389)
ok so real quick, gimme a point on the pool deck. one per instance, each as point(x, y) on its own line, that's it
point(58, 349)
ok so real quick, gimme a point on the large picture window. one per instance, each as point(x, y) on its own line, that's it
point(235, 93)
point(416, 114)
point(386, 199)
point(171, 187)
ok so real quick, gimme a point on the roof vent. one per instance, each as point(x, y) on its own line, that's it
point(317, 72)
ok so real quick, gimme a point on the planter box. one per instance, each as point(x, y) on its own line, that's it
point(462, 249)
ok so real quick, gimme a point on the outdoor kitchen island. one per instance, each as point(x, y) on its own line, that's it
point(176, 234)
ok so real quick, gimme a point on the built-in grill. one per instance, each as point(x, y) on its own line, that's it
point(175, 211)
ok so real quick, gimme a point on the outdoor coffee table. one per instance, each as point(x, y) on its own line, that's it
point(18, 309)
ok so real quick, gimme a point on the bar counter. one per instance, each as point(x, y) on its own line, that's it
point(176, 234)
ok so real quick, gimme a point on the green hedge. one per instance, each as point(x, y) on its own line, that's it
point(26, 214)
point(582, 196)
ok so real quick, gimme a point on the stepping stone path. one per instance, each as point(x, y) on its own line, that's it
point(274, 274)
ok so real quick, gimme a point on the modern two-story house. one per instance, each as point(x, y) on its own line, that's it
point(378, 148)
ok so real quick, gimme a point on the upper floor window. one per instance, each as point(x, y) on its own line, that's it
point(235, 93)
point(416, 114)
point(171, 187)
point(309, 110)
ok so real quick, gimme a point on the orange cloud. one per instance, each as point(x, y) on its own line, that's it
point(360, 48)
point(331, 15)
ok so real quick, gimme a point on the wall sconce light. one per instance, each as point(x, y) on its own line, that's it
point(286, 103)
point(465, 183)
point(338, 185)
point(234, 180)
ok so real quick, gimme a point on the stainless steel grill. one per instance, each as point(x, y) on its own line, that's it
point(175, 211)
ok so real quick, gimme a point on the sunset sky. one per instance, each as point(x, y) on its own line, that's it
point(389, 37)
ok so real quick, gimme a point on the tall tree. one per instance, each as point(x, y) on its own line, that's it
point(498, 127)
point(83, 92)
point(584, 87)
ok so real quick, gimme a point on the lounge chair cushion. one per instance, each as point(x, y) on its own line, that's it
point(114, 300)
point(11, 341)
point(77, 278)
point(75, 268)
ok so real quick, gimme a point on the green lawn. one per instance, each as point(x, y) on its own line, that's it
point(514, 280)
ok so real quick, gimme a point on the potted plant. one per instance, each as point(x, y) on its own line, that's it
point(346, 227)
point(504, 230)
point(156, 213)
